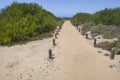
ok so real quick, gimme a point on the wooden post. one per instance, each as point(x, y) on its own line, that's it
point(56, 35)
point(86, 36)
point(95, 40)
point(50, 54)
point(79, 29)
point(112, 55)
point(54, 42)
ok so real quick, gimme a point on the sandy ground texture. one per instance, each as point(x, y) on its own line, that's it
point(81, 61)
point(74, 59)
point(28, 62)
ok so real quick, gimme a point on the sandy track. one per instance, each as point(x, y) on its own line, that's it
point(74, 59)
point(28, 62)
point(80, 61)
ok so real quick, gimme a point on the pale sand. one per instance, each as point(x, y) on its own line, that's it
point(74, 59)
point(28, 62)
point(81, 61)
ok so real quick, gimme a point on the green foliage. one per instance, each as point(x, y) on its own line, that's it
point(22, 21)
point(81, 18)
point(107, 31)
point(87, 26)
point(60, 21)
point(107, 17)
point(105, 22)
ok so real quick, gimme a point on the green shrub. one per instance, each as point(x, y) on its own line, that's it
point(105, 22)
point(22, 21)
point(81, 18)
point(107, 17)
point(87, 26)
point(107, 31)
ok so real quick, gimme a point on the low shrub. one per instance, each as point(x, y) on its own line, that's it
point(108, 46)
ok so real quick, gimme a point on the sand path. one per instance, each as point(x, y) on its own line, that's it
point(79, 60)
point(74, 59)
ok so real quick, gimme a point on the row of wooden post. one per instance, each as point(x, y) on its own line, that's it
point(82, 32)
point(112, 53)
point(54, 43)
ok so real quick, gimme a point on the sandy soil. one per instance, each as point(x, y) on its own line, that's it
point(28, 62)
point(81, 61)
point(74, 59)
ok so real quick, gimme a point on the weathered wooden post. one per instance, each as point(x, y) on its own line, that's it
point(54, 44)
point(56, 35)
point(112, 55)
point(86, 35)
point(95, 40)
point(50, 54)
point(79, 29)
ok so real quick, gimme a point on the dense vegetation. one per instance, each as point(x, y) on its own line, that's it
point(107, 17)
point(107, 31)
point(105, 22)
point(21, 22)
point(81, 18)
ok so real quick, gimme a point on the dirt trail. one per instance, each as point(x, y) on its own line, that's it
point(74, 59)
point(79, 60)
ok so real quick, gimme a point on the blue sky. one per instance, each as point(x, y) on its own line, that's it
point(68, 8)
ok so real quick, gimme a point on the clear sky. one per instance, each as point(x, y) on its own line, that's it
point(68, 8)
